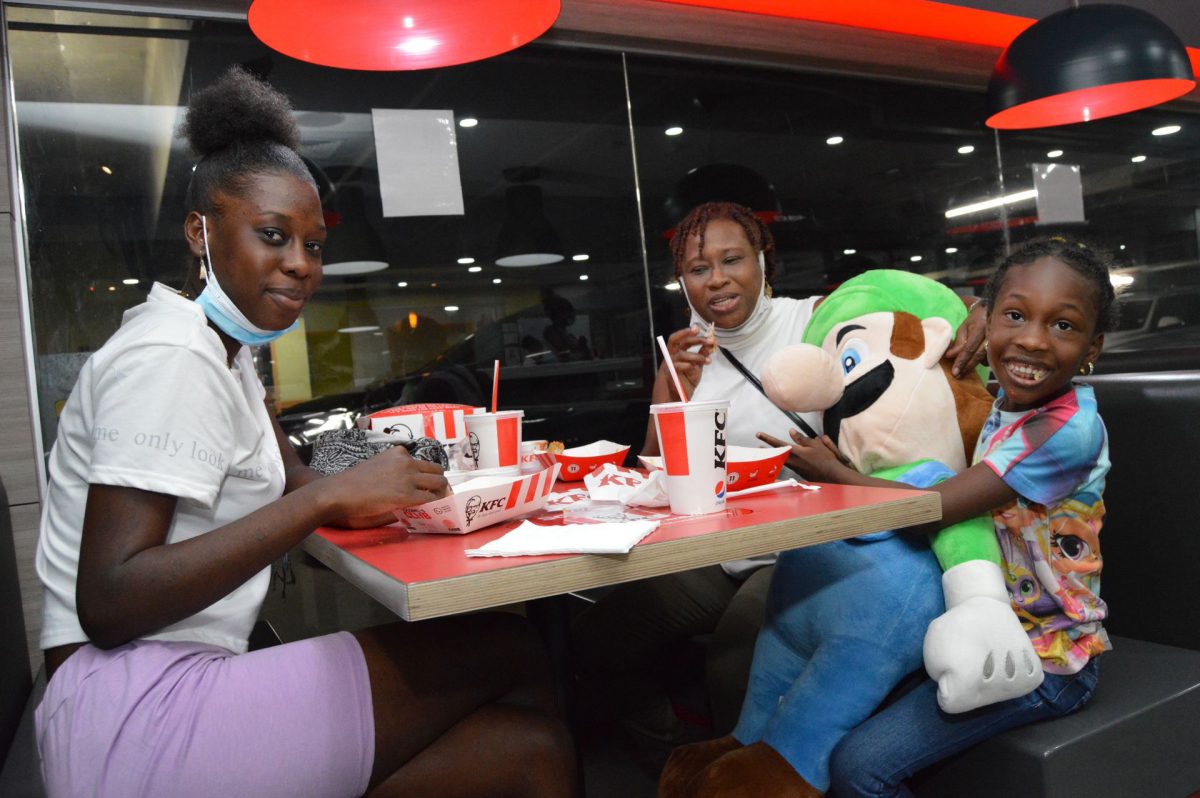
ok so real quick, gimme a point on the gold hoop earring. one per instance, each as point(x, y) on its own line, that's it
point(1087, 368)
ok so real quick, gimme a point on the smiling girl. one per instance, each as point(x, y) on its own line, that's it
point(1039, 469)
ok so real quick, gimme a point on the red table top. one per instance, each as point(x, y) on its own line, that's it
point(425, 575)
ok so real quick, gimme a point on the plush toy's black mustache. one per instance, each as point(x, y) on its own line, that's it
point(858, 396)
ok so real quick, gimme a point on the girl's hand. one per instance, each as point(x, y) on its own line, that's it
point(367, 494)
point(815, 460)
point(970, 343)
point(688, 365)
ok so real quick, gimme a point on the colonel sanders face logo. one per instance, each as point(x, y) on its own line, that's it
point(473, 505)
point(401, 430)
point(473, 441)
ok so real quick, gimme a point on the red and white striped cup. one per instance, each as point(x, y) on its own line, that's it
point(691, 438)
point(494, 439)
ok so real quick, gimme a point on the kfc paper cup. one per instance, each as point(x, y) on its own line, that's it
point(495, 438)
point(691, 438)
point(534, 457)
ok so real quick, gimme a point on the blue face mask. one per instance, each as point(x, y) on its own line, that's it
point(221, 311)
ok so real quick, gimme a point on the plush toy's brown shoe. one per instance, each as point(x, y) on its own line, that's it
point(688, 760)
point(756, 771)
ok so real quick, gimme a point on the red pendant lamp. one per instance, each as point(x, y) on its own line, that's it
point(390, 35)
point(1086, 63)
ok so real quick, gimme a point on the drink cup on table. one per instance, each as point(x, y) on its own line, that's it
point(691, 438)
point(494, 439)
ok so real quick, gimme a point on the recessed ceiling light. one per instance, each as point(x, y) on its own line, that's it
point(106, 170)
point(951, 250)
point(1138, 158)
point(495, 281)
point(966, 149)
point(581, 256)
point(402, 285)
point(364, 328)
point(849, 251)
point(450, 308)
point(349, 267)
point(1122, 246)
point(465, 261)
point(673, 131)
point(672, 286)
point(112, 288)
point(1054, 154)
point(1120, 280)
point(834, 140)
point(474, 269)
point(130, 281)
point(1165, 130)
point(468, 121)
point(583, 277)
point(915, 258)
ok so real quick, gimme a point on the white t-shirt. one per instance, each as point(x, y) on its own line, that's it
point(750, 412)
point(158, 408)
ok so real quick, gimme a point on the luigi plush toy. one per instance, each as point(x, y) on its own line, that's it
point(847, 620)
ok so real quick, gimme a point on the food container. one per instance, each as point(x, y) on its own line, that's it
point(482, 501)
point(580, 461)
point(444, 422)
point(746, 466)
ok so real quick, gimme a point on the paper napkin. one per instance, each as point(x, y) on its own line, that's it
point(530, 538)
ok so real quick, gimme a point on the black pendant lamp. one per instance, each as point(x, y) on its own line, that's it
point(1085, 63)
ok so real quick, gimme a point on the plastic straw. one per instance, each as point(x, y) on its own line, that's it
point(671, 368)
point(495, 385)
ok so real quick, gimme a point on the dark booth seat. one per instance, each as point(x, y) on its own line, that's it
point(1137, 736)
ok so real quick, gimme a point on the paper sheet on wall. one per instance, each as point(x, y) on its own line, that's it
point(417, 154)
point(1059, 193)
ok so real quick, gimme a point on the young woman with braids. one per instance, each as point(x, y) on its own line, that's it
point(724, 259)
point(171, 492)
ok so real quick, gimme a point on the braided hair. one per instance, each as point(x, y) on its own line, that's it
point(240, 127)
point(696, 222)
point(1079, 256)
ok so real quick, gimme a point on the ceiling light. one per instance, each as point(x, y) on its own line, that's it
point(468, 121)
point(834, 140)
point(672, 286)
point(951, 250)
point(1054, 154)
point(580, 257)
point(402, 285)
point(526, 236)
point(495, 281)
point(1086, 62)
point(915, 258)
point(364, 34)
point(849, 251)
point(1165, 130)
point(450, 308)
point(966, 149)
point(130, 281)
point(348, 267)
point(108, 171)
point(1138, 158)
point(474, 269)
point(673, 131)
point(583, 277)
point(360, 329)
point(1122, 246)
point(112, 288)
point(465, 261)
point(1120, 280)
point(984, 205)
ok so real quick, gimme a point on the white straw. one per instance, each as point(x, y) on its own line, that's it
point(671, 368)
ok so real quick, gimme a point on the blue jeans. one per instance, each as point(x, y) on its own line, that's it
point(876, 757)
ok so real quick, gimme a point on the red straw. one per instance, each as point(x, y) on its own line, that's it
point(495, 385)
point(671, 368)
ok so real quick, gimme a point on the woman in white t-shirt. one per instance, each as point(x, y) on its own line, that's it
point(171, 492)
point(724, 259)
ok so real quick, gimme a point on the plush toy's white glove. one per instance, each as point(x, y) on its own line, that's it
point(977, 651)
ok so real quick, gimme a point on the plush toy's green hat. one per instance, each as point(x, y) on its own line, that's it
point(884, 291)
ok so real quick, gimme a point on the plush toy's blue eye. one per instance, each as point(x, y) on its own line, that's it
point(850, 360)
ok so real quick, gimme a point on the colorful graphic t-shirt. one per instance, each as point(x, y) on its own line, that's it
point(1056, 458)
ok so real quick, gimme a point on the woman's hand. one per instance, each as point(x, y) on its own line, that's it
point(817, 460)
point(366, 494)
point(688, 365)
point(970, 344)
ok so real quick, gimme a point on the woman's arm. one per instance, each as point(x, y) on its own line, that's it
point(131, 582)
point(689, 366)
point(973, 492)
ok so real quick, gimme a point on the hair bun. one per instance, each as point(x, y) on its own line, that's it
point(238, 108)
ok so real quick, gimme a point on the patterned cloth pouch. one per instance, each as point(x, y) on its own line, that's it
point(337, 450)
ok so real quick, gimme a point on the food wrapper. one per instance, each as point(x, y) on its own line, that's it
point(611, 483)
point(481, 502)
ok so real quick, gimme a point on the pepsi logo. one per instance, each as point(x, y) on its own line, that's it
point(720, 489)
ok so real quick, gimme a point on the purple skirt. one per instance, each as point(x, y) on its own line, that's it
point(154, 718)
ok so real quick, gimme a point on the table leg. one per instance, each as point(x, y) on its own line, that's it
point(552, 618)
